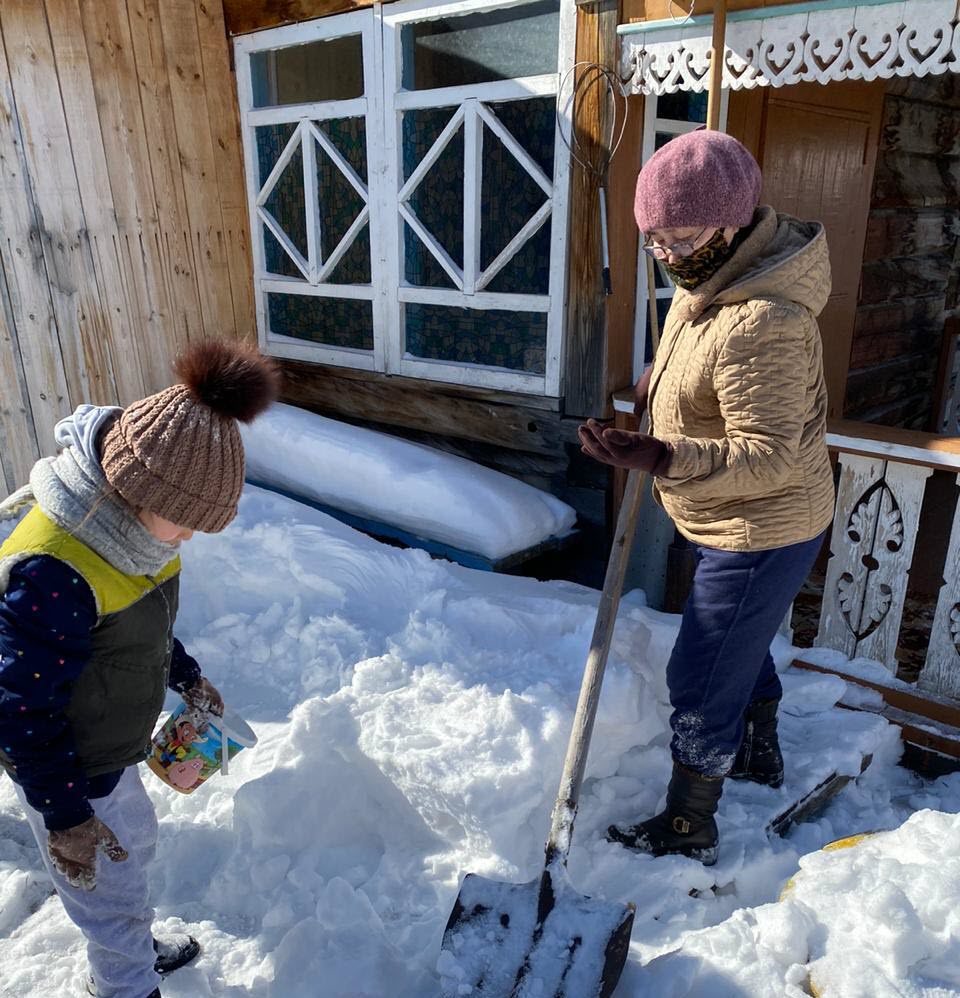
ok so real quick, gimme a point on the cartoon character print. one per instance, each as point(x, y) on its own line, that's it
point(186, 774)
point(174, 750)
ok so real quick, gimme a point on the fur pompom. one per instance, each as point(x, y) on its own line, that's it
point(232, 379)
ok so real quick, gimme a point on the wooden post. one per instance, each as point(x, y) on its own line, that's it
point(719, 45)
point(586, 364)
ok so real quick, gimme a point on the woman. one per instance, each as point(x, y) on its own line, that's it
point(737, 448)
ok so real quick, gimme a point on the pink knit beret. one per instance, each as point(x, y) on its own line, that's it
point(698, 179)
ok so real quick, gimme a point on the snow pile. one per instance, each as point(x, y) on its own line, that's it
point(427, 492)
point(877, 917)
point(413, 717)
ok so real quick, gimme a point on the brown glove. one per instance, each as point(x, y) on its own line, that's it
point(73, 851)
point(203, 698)
point(624, 448)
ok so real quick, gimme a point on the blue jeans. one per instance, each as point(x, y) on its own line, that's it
point(721, 660)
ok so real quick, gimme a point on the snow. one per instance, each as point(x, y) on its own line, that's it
point(427, 492)
point(412, 718)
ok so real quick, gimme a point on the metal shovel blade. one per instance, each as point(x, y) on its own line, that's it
point(539, 939)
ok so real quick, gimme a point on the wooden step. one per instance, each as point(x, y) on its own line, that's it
point(896, 694)
point(930, 722)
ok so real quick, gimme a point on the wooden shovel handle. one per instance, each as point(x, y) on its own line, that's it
point(565, 809)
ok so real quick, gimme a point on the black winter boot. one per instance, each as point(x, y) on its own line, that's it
point(686, 826)
point(174, 953)
point(759, 758)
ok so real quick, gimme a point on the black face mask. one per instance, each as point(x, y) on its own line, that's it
point(691, 271)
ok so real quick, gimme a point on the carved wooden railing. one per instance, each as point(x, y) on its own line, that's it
point(883, 479)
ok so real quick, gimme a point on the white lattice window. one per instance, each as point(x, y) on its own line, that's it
point(408, 196)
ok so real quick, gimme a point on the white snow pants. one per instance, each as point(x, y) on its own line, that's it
point(116, 917)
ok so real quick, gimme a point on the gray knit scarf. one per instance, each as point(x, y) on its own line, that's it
point(72, 490)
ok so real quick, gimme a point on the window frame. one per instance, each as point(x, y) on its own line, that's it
point(382, 105)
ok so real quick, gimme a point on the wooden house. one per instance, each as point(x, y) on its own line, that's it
point(382, 194)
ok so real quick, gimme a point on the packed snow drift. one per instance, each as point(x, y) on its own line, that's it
point(418, 489)
point(413, 717)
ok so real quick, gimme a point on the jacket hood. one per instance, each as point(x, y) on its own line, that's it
point(82, 428)
point(782, 257)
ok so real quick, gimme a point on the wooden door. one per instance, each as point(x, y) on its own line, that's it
point(817, 146)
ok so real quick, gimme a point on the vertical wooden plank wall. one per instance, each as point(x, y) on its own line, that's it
point(123, 232)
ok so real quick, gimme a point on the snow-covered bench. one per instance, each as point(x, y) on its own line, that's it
point(403, 491)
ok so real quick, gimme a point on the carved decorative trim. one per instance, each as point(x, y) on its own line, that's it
point(955, 626)
point(875, 528)
point(874, 532)
point(915, 38)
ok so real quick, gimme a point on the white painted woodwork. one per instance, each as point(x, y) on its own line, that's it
point(941, 670)
point(858, 42)
point(874, 534)
point(311, 203)
point(387, 195)
point(487, 299)
point(500, 90)
point(472, 194)
point(889, 450)
point(320, 111)
point(857, 475)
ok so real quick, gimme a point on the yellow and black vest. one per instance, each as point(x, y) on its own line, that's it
point(116, 700)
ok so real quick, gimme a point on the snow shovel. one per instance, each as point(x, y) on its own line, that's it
point(543, 938)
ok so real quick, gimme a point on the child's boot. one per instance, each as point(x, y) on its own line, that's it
point(174, 952)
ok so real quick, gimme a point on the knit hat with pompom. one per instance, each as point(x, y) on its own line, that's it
point(178, 453)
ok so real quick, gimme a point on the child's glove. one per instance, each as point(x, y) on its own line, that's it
point(203, 698)
point(73, 851)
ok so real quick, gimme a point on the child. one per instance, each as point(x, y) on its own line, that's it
point(89, 583)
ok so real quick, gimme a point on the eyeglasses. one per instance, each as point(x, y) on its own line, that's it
point(685, 248)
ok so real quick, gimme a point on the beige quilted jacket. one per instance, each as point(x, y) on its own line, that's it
point(738, 390)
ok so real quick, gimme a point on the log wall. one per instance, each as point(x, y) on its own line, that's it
point(909, 293)
point(123, 220)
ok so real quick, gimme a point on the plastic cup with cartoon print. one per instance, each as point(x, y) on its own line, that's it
point(189, 748)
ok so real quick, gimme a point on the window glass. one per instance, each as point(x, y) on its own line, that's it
point(510, 195)
point(340, 322)
point(286, 200)
point(437, 200)
point(340, 201)
point(330, 69)
point(482, 47)
point(683, 106)
point(492, 337)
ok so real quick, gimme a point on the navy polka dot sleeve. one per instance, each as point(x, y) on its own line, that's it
point(46, 615)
